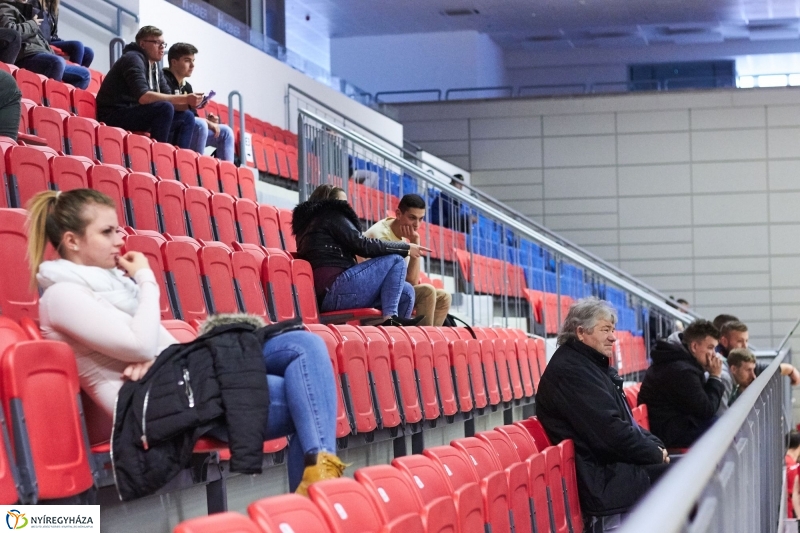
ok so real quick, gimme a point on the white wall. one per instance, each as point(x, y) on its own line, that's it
point(225, 63)
point(696, 193)
point(440, 60)
point(308, 38)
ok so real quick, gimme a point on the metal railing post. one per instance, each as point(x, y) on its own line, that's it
point(302, 147)
point(242, 153)
point(113, 45)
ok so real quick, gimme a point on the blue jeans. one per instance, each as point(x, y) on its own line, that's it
point(76, 50)
point(55, 67)
point(379, 282)
point(203, 136)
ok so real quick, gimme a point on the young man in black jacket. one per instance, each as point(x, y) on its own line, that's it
point(580, 398)
point(135, 96)
point(681, 401)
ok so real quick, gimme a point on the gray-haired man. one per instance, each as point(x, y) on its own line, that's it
point(580, 398)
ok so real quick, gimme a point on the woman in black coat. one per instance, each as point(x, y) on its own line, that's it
point(329, 237)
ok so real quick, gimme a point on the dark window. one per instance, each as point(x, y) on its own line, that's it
point(699, 74)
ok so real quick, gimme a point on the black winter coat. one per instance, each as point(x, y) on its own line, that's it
point(129, 78)
point(328, 235)
point(681, 403)
point(580, 398)
point(219, 379)
point(33, 40)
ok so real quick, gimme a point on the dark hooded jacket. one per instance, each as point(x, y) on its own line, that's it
point(580, 398)
point(216, 381)
point(130, 77)
point(681, 402)
point(328, 235)
point(33, 40)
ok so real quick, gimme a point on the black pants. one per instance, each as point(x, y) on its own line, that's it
point(159, 118)
point(10, 43)
point(9, 106)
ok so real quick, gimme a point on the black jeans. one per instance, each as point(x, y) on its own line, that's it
point(159, 118)
point(9, 106)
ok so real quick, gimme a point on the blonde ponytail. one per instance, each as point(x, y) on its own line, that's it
point(51, 214)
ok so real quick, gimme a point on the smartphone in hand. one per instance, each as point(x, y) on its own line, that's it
point(205, 99)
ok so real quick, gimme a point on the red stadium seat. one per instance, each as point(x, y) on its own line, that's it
point(434, 483)
point(514, 369)
point(459, 363)
point(182, 269)
point(30, 84)
point(285, 218)
point(228, 177)
point(247, 184)
point(352, 361)
point(217, 275)
point(276, 278)
point(198, 213)
point(28, 173)
point(269, 223)
point(97, 80)
point(179, 329)
point(111, 145)
point(142, 200)
point(186, 167)
point(503, 377)
point(247, 280)
point(57, 94)
point(163, 157)
point(290, 512)
point(108, 180)
point(207, 173)
point(24, 116)
point(489, 371)
point(17, 299)
point(223, 218)
point(172, 206)
point(271, 157)
point(69, 172)
point(379, 362)
point(348, 508)
point(151, 248)
point(48, 471)
point(331, 342)
point(227, 522)
point(81, 137)
point(84, 104)
point(523, 442)
point(48, 123)
point(570, 479)
point(137, 153)
point(537, 469)
point(442, 369)
point(258, 153)
point(555, 488)
point(247, 228)
point(536, 431)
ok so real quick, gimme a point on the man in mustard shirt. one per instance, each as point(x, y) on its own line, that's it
point(431, 302)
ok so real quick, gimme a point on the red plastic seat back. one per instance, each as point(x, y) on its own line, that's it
point(179, 329)
point(536, 430)
point(108, 180)
point(459, 360)
point(423, 365)
point(223, 218)
point(443, 373)
point(137, 153)
point(198, 213)
point(405, 381)
point(276, 278)
point(247, 184)
point(427, 474)
point(28, 173)
point(503, 446)
point(69, 172)
point(523, 442)
point(331, 343)
point(391, 490)
point(303, 281)
point(455, 463)
point(351, 357)
point(84, 104)
point(140, 192)
point(163, 157)
point(30, 85)
point(97, 80)
point(481, 454)
point(228, 522)
point(285, 218)
point(217, 273)
point(537, 467)
point(289, 512)
point(247, 227)
point(228, 178)
point(270, 226)
point(567, 450)
point(380, 373)
point(346, 506)
point(151, 248)
point(111, 145)
point(81, 136)
point(247, 279)
point(207, 172)
point(57, 95)
point(552, 458)
point(172, 206)
point(17, 299)
point(183, 275)
point(48, 123)
point(186, 167)
point(28, 368)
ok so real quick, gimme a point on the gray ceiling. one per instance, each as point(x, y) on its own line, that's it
point(559, 24)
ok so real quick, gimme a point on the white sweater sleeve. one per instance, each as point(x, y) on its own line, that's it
point(75, 312)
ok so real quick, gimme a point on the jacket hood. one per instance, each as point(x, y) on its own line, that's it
point(668, 350)
point(305, 213)
point(225, 319)
point(133, 47)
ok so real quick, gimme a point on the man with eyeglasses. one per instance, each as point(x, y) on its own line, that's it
point(135, 96)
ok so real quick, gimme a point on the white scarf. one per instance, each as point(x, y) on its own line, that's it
point(109, 284)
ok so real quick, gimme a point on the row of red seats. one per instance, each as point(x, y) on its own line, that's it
point(640, 414)
point(42, 90)
point(630, 353)
point(492, 276)
point(501, 481)
point(252, 125)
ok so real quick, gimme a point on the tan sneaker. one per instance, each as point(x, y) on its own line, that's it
point(328, 467)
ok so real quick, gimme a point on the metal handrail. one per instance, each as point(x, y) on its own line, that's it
point(582, 86)
point(242, 153)
point(508, 88)
point(411, 91)
point(671, 501)
point(117, 29)
point(654, 300)
point(115, 48)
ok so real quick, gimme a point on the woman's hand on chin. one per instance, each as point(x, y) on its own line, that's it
point(136, 371)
